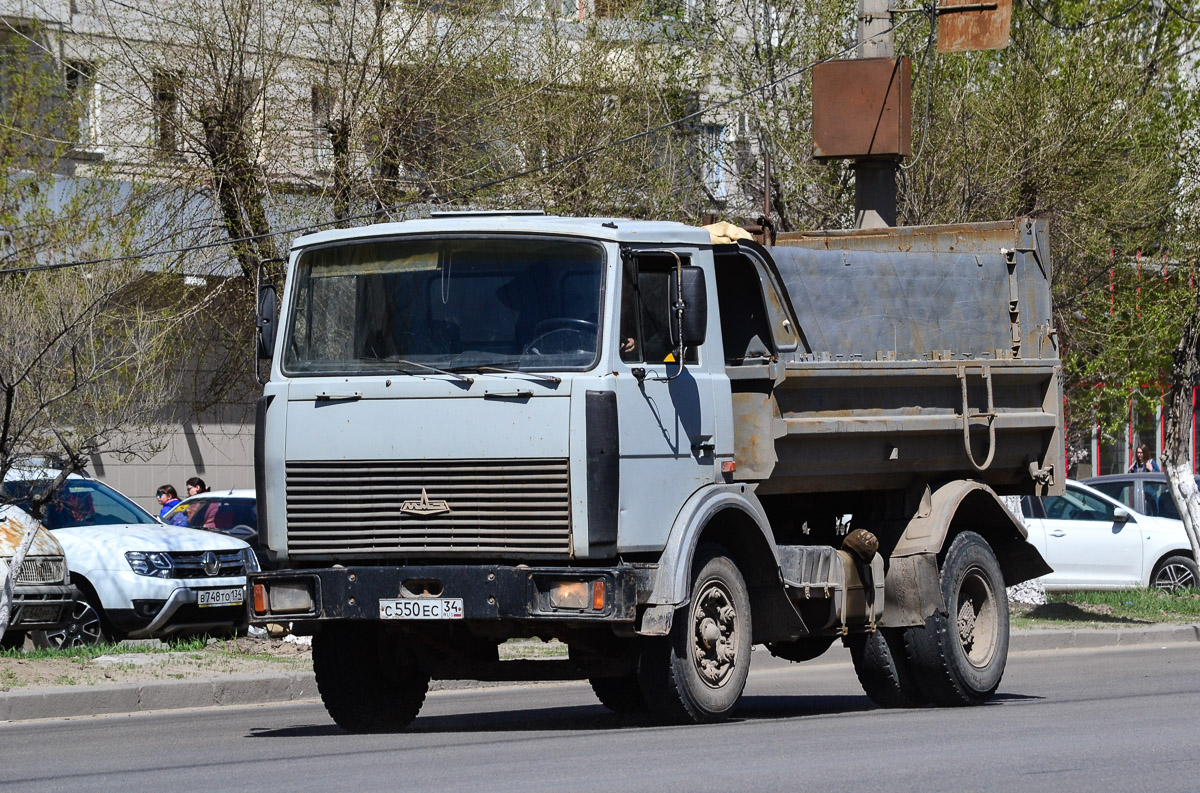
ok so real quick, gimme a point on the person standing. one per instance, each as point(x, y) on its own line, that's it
point(1143, 461)
point(168, 499)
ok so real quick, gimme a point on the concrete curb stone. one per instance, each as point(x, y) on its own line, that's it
point(69, 701)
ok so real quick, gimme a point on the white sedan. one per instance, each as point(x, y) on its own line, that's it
point(1095, 542)
point(139, 578)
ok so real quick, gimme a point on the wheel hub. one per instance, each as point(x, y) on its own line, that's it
point(714, 647)
point(977, 619)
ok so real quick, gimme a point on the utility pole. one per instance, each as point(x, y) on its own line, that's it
point(875, 177)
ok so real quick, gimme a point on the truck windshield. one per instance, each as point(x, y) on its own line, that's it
point(456, 304)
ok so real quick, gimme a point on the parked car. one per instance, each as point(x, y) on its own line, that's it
point(43, 595)
point(138, 578)
point(232, 512)
point(1095, 542)
point(1147, 493)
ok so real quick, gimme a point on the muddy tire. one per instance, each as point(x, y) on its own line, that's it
point(958, 656)
point(1175, 573)
point(366, 683)
point(697, 673)
point(881, 663)
point(619, 694)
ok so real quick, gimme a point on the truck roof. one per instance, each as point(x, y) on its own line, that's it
point(613, 229)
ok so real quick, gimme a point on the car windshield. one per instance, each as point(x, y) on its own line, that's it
point(457, 304)
point(221, 514)
point(77, 502)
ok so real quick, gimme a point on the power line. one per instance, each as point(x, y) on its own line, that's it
point(1078, 26)
point(1179, 13)
point(389, 211)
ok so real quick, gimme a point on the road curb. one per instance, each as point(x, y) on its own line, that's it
point(1102, 637)
point(68, 701)
point(57, 703)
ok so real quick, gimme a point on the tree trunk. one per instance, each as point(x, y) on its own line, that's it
point(1178, 419)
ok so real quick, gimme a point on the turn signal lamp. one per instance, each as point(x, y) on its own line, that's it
point(598, 595)
point(260, 599)
point(569, 595)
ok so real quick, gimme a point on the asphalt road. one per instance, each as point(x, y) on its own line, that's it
point(1115, 720)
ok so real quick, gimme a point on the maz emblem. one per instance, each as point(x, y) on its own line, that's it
point(425, 507)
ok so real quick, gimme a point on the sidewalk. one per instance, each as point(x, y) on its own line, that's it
point(69, 701)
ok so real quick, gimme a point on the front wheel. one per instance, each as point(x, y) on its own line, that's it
point(367, 683)
point(87, 627)
point(958, 656)
point(698, 671)
point(1175, 573)
point(12, 640)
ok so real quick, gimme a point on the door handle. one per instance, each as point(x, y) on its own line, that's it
point(1058, 533)
point(334, 396)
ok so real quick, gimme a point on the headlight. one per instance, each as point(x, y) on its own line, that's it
point(252, 565)
point(158, 565)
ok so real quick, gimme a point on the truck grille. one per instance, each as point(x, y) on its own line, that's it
point(452, 507)
point(40, 569)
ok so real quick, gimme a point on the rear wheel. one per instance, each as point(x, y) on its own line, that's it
point(958, 656)
point(619, 694)
point(1176, 572)
point(87, 626)
point(697, 673)
point(367, 683)
point(882, 666)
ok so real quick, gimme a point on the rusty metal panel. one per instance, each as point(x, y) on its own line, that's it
point(963, 27)
point(862, 108)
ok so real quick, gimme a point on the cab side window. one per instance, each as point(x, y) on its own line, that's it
point(646, 311)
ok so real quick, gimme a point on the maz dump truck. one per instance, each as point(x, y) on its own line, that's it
point(659, 448)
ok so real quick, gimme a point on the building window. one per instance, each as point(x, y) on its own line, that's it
point(322, 143)
point(167, 117)
point(713, 166)
point(609, 9)
point(83, 90)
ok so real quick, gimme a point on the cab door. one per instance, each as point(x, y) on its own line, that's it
point(665, 404)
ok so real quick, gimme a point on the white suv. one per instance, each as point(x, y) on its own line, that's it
point(138, 577)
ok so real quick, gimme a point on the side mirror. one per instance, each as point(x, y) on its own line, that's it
point(694, 327)
point(268, 307)
point(1121, 515)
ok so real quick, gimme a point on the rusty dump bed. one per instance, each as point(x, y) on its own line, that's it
point(927, 353)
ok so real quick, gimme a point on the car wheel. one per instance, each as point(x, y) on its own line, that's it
point(12, 640)
point(86, 627)
point(1174, 573)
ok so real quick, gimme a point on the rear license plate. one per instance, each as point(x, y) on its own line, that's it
point(421, 609)
point(234, 596)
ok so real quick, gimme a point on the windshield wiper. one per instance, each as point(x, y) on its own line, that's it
point(504, 370)
point(464, 378)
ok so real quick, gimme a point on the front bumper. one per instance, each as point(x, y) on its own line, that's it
point(42, 607)
point(488, 592)
point(147, 607)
